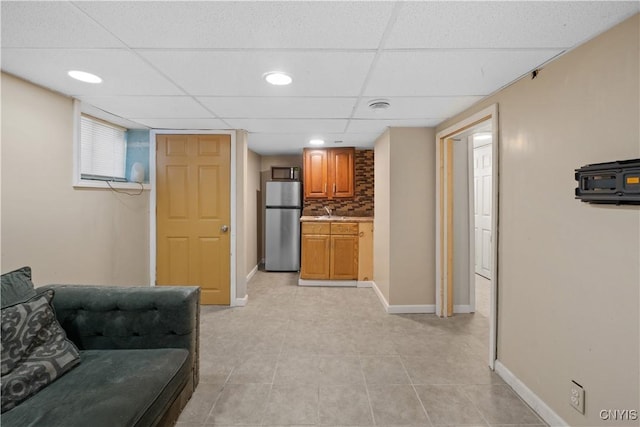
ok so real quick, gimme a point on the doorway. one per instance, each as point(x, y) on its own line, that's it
point(456, 214)
point(192, 234)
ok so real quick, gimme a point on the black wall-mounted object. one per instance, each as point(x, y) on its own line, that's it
point(612, 183)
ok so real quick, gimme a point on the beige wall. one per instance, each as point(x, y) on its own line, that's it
point(569, 271)
point(240, 231)
point(404, 224)
point(66, 235)
point(382, 217)
point(412, 216)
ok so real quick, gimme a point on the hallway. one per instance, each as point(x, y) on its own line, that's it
point(332, 357)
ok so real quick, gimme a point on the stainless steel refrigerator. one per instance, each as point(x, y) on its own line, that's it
point(282, 225)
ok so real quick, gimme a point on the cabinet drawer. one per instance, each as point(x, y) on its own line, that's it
point(344, 228)
point(316, 228)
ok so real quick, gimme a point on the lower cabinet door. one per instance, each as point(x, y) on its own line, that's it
point(344, 257)
point(316, 252)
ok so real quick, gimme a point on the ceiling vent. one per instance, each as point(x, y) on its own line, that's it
point(379, 104)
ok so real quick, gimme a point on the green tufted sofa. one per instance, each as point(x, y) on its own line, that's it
point(138, 358)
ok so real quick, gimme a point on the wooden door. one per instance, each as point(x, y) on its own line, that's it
point(482, 160)
point(344, 257)
point(315, 174)
point(316, 250)
point(342, 172)
point(193, 213)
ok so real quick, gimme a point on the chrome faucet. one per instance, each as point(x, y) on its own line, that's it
point(328, 210)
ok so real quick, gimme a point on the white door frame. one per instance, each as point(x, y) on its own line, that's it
point(443, 212)
point(152, 202)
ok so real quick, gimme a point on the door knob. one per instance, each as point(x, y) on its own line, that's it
point(224, 228)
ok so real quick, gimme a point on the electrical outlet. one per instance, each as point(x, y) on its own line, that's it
point(577, 397)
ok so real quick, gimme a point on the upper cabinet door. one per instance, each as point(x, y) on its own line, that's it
point(329, 173)
point(316, 183)
point(342, 172)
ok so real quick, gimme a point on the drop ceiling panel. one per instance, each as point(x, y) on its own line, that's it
point(244, 24)
point(51, 24)
point(123, 73)
point(512, 24)
point(185, 123)
point(416, 107)
point(270, 143)
point(451, 72)
point(279, 107)
point(379, 126)
point(233, 73)
point(312, 126)
point(151, 107)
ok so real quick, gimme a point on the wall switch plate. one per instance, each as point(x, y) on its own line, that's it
point(577, 397)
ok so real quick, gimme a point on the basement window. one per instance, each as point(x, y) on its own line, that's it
point(108, 155)
point(102, 150)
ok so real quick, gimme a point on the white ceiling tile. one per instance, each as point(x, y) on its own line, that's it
point(279, 107)
point(185, 123)
point(415, 107)
point(379, 126)
point(500, 24)
point(282, 143)
point(152, 107)
point(217, 73)
point(312, 126)
point(451, 72)
point(237, 24)
point(123, 73)
point(48, 24)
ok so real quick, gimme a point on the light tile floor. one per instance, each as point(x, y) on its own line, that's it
point(332, 357)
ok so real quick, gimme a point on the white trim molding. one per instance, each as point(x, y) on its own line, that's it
point(252, 273)
point(542, 409)
point(331, 283)
point(240, 302)
point(402, 309)
point(463, 308)
point(365, 284)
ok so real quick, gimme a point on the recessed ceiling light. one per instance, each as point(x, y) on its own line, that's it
point(379, 104)
point(278, 78)
point(84, 76)
point(316, 142)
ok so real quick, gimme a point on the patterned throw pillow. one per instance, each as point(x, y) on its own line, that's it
point(35, 350)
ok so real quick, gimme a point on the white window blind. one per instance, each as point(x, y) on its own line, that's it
point(102, 150)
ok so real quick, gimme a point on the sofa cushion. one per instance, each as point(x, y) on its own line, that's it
point(35, 350)
point(109, 388)
point(16, 286)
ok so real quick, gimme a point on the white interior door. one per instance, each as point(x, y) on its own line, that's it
point(482, 161)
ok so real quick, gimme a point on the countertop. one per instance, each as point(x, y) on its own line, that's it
point(326, 218)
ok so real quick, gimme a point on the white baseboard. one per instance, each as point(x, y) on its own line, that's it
point(532, 399)
point(365, 284)
point(252, 273)
point(241, 302)
point(463, 308)
point(402, 309)
point(334, 283)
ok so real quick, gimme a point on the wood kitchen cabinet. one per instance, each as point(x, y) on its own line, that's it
point(315, 251)
point(329, 251)
point(344, 251)
point(329, 173)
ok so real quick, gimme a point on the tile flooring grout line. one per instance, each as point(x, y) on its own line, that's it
point(366, 388)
